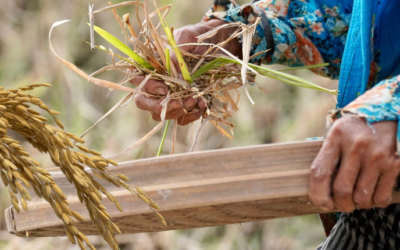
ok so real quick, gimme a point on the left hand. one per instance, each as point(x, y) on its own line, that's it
point(194, 107)
point(357, 167)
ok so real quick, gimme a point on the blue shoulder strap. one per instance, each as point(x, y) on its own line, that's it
point(357, 57)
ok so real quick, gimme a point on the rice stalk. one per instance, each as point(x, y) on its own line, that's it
point(163, 138)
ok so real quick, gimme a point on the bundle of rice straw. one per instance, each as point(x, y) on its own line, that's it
point(208, 76)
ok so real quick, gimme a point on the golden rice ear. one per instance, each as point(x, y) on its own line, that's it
point(18, 169)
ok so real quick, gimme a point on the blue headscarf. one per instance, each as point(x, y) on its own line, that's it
point(374, 36)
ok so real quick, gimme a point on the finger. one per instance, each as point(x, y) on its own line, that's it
point(154, 104)
point(187, 106)
point(365, 187)
point(385, 186)
point(344, 183)
point(201, 103)
point(182, 110)
point(170, 115)
point(186, 119)
point(322, 169)
point(189, 103)
point(196, 113)
point(152, 87)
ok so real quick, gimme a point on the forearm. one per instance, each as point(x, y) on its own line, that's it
point(303, 33)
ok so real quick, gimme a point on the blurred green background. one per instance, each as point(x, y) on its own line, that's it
point(283, 114)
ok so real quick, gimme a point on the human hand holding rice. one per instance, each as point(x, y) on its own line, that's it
point(189, 109)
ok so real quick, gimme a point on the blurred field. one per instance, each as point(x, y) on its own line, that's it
point(283, 114)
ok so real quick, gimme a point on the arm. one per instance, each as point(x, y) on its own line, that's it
point(361, 150)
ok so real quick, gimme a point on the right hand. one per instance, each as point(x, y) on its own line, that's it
point(357, 167)
point(195, 107)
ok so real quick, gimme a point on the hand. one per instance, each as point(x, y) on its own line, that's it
point(357, 167)
point(194, 107)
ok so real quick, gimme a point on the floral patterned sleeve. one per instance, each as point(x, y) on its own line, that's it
point(303, 32)
point(380, 103)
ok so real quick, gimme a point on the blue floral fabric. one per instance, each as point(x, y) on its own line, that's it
point(306, 32)
point(358, 38)
point(381, 103)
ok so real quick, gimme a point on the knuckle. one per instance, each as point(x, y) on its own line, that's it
point(336, 129)
point(341, 191)
point(358, 145)
point(379, 154)
point(318, 173)
point(340, 126)
point(360, 142)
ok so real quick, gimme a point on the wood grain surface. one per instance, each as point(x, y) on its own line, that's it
point(195, 190)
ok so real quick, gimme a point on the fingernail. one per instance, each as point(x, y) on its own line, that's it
point(190, 102)
point(161, 91)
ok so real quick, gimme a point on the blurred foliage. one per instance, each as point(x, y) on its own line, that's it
point(283, 114)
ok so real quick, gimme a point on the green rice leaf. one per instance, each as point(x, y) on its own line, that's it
point(168, 61)
point(211, 65)
point(102, 48)
point(123, 48)
point(178, 54)
point(274, 74)
point(305, 67)
point(163, 139)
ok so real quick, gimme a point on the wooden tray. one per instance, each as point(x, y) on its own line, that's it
point(195, 190)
